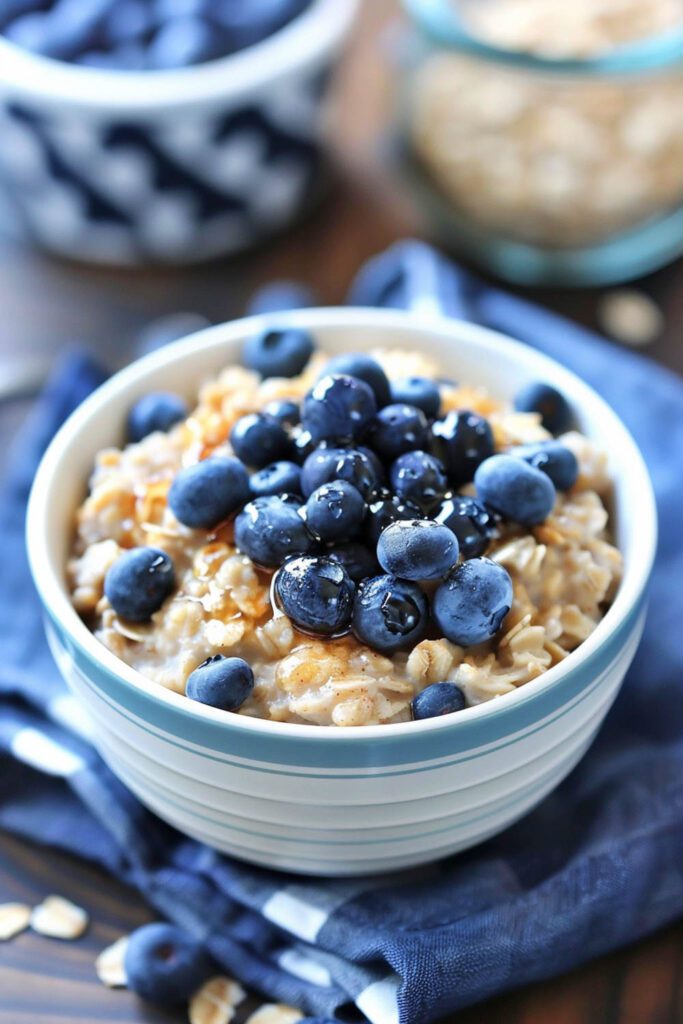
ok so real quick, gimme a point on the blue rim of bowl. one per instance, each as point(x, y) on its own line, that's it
point(55, 598)
point(440, 22)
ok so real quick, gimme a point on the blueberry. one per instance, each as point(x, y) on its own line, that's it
point(398, 429)
point(325, 465)
point(277, 478)
point(270, 529)
point(389, 614)
point(382, 512)
point(335, 511)
point(365, 368)
point(515, 489)
point(203, 495)
point(375, 462)
point(127, 21)
point(472, 523)
point(470, 605)
point(164, 964)
point(285, 412)
point(278, 352)
point(356, 558)
point(420, 478)
point(258, 439)
point(438, 699)
point(556, 412)
point(418, 391)
point(247, 23)
point(417, 549)
point(138, 583)
point(338, 406)
point(159, 410)
point(221, 682)
point(183, 42)
point(316, 593)
point(462, 440)
point(302, 444)
point(554, 459)
point(279, 296)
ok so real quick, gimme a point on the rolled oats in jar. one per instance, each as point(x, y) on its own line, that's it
point(555, 125)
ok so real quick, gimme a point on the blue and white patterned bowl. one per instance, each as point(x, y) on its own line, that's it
point(323, 800)
point(169, 166)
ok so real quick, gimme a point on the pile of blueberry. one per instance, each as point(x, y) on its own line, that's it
point(353, 500)
point(140, 35)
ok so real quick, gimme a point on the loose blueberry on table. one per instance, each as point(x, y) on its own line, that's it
point(367, 505)
point(164, 964)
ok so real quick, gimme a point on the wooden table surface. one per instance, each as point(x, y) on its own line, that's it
point(48, 305)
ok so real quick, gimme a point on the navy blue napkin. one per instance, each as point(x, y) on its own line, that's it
point(597, 865)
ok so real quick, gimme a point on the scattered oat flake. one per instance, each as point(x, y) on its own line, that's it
point(631, 316)
point(59, 918)
point(14, 918)
point(275, 1013)
point(215, 1001)
point(110, 965)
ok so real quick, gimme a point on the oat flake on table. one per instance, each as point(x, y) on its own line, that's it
point(59, 918)
point(275, 1013)
point(215, 1001)
point(14, 918)
point(110, 964)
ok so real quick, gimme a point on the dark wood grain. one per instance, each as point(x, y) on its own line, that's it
point(47, 305)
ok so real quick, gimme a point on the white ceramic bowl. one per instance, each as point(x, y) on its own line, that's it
point(323, 800)
point(169, 166)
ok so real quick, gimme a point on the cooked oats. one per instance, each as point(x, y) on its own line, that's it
point(564, 572)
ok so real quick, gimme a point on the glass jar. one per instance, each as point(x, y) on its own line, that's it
point(547, 168)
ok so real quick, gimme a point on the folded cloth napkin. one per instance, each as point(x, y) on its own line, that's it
point(598, 864)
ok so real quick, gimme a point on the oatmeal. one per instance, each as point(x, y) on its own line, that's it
point(383, 574)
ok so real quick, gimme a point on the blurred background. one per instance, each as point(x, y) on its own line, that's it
point(526, 165)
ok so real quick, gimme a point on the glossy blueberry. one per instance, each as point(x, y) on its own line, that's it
point(438, 699)
point(278, 352)
point(279, 296)
point(258, 440)
point(138, 583)
point(338, 406)
point(554, 459)
point(159, 410)
point(462, 440)
point(389, 614)
point(418, 391)
point(358, 560)
point(355, 364)
point(221, 682)
point(515, 489)
point(285, 412)
point(316, 593)
point(164, 964)
point(277, 478)
point(302, 444)
point(335, 511)
point(384, 510)
point(327, 464)
point(472, 523)
point(398, 429)
point(471, 603)
point(270, 529)
point(203, 495)
point(375, 462)
point(417, 549)
point(420, 478)
point(183, 42)
point(556, 412)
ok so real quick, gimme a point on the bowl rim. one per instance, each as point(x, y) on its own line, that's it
point(49, 577)
point(308, 38)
